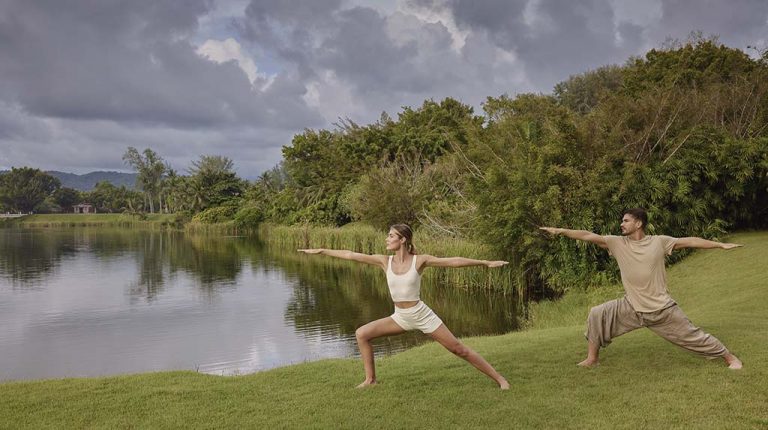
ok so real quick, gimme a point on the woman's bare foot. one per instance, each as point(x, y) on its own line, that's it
point(366, 383)
point(503, 384)
point(733, 362)
point(589, 363)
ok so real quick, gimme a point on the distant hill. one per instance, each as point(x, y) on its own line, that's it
point(88, 181)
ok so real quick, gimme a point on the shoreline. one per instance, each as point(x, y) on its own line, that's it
point(90, 220)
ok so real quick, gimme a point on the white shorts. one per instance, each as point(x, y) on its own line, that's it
point(418, 317)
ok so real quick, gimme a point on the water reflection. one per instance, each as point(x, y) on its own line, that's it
point(26, 259)
point(85, 302)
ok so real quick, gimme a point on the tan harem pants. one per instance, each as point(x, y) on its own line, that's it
point(617, 317)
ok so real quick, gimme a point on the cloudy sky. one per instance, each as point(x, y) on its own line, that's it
point(82, 80)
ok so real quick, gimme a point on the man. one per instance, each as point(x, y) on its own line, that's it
point(646, 302)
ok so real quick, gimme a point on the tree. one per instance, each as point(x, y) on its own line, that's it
point(583, 92)
point(150, 168)
point(323, 166)
point(693, 64)
point(431, 130)
point(66, 197)
point(108, 198)
point(175, 191)
point(213, 182)
point(22, 189)
point(394, 193)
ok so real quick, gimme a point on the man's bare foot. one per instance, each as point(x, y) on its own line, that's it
point(366, 383)
point(503, 384)
point(589, 363)
point(733, 362)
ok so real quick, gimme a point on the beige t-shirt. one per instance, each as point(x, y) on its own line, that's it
point(642, 269)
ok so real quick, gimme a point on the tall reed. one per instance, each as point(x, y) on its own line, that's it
point(366, 239)
point(222, 228)
point(151, 221)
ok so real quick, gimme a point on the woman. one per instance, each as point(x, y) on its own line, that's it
point(403, 271)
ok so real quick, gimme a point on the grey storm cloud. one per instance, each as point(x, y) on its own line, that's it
point(362, 52)
point(386, 60)
point(736, 23)
point(289, 28)
point(82, 80)
point(129, 61)
point(556, 39)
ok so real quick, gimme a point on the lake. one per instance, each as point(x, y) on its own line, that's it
point(97, 301)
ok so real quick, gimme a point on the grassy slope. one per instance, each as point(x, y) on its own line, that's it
point(643, 381)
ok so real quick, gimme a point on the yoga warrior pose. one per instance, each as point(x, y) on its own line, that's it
point(403, 271)
point(646, 302)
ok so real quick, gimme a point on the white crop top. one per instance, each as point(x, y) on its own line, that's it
point(405, 287)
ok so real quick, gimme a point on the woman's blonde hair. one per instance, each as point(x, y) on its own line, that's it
point(404, 231)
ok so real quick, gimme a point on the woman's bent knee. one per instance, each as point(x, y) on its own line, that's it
point(362, 334)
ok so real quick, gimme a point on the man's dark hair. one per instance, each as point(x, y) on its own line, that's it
point(640, 214)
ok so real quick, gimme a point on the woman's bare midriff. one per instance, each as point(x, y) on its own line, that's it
point(406, 305)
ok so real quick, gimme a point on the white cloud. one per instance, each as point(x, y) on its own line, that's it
point(439, 13)
point(221, 51)
point(333, 99)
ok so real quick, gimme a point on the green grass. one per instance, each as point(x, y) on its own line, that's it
point(642, 382)
point(91, 220)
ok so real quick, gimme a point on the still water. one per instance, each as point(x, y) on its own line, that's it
point(92, 302)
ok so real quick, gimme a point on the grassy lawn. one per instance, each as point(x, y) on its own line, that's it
point(642, 382)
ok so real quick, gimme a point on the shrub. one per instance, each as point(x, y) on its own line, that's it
point(215, 215)
point(249, 217)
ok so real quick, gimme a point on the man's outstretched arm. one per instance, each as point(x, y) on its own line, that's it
point(697, 242)
point(584, 235)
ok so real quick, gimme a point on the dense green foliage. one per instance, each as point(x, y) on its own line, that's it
point(684, 136)
point(65, 198)
point(331, 177)
point(213, 183)
point(23, 189)
point(111, 199)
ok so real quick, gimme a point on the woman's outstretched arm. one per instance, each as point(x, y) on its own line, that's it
point(375, 260)
point(431, 261)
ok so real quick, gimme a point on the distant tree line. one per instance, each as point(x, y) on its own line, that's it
point(211, 183)
point(682, 131)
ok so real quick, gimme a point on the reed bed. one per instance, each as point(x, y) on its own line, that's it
point(224, 228)
point(93, 220)
point(368, 240)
